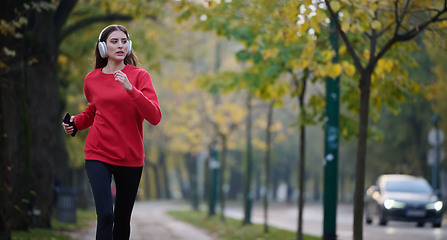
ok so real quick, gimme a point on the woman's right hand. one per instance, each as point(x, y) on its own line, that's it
point(69, 129)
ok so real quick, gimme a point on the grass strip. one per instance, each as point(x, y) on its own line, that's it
point(232, 229)
point(38, 234)
point(83, 219)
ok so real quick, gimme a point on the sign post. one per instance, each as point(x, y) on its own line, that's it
point(331, 148)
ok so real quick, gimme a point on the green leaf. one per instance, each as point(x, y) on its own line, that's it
point(243, 55)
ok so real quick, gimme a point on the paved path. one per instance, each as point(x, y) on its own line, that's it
point(150, 222)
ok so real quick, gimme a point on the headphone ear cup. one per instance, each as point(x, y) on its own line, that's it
point(102, 47)
point(129, 48)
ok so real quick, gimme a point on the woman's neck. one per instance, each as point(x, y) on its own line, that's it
point(112, 67)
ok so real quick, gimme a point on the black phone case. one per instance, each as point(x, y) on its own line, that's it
point(66, 120)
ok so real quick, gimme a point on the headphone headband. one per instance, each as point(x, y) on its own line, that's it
point(100, 34)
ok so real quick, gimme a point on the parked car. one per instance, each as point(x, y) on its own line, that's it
point(398, 197)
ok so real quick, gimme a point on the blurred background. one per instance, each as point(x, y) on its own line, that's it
point(229, 77)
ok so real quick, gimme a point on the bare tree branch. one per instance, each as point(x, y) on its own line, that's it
point(419, 28)
point(405, 11)
point(86, 22)
point(345, 39)
point(63, 10)
point(411, 33)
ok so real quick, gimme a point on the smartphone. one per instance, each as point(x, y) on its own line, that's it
point(66, 120)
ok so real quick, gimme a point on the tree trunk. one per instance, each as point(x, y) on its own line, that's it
point(302, 91)
point(14, 131)
point(18, 158)
point(223, 166)
point(191, 167)
point(235, 182)
point(162, 164)
point(249, 168)
point(44, 111)
point(267, 164)
point(14, 152)
point(158, 194)
point(301, 182)
point(147, 182)
point(258, 181)
point(316, 188)
point(365, 84)
point(5, 187)
point(42, 37)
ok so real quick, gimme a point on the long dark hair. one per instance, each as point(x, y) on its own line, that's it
point(102, 62)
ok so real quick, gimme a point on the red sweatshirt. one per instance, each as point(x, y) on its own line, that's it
point(116, 116)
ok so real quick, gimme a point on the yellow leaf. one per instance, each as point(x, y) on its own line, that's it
point(345, 26)
point(259, 144)
point(276, 127)
point(270, 53)
point(321, 71)
point(3, 65)
point(62, 59)
point(278, 36)
point(335, 5)
point(320, 15)
point(376, 25)
point(416, 87)
point(291, 35)
point(295, 63)
point(389, 65)
point(71, 99)
point(328, 55)
point(384, 66)
point(334, 70)
point(342, 50)
point(365, 54)
point(281, 138)
point(254, 48)
point(349, 68)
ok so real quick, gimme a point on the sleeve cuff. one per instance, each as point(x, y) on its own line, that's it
point(133, 93)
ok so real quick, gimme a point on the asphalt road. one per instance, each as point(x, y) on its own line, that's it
point(285, 216)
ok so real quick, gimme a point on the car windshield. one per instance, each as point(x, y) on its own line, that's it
point(409, 186)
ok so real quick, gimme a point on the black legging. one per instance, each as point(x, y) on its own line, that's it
point(113, 224)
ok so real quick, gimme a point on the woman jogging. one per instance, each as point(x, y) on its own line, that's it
point(121, 96)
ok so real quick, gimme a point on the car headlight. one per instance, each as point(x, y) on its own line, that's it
point(390, 203)
point(436, 205)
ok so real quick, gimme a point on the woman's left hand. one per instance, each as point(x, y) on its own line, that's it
point(122, 78)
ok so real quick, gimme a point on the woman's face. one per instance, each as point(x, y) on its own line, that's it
point(117, 45)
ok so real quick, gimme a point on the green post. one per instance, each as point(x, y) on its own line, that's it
point(214, 167)
point(331, 148)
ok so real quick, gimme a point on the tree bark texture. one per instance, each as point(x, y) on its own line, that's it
point(302, 165)
point(365, 85)
point(249, 167)
point(162, 164)
point(47, 152)
point(14, 152)
point(30, 118)
point(268, 138)
point(223, 166)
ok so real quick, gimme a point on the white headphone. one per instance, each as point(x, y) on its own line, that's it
point(102, 46)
